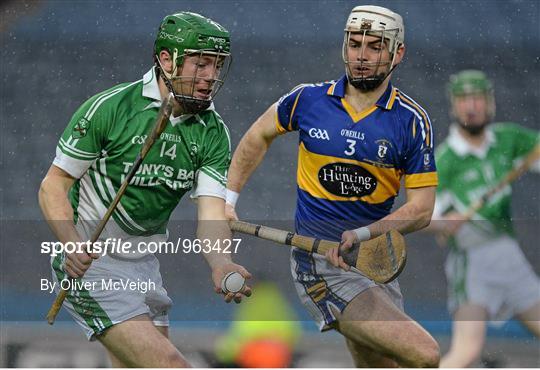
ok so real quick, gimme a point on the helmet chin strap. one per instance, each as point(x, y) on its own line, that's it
point(371, 83)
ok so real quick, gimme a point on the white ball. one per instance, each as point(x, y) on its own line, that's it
point(233, 282)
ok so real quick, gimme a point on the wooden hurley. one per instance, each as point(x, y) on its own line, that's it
point(381, 259)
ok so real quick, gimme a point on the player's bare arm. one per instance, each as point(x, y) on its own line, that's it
point(54, 203)
point(248, 155)
point(213, 226)
point(414, 215)
point(251, 149)
point(446, 225)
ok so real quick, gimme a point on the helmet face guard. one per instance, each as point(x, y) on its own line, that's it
point(380, 29)
point(196, 82)
point(200, 52)
point(365, 74)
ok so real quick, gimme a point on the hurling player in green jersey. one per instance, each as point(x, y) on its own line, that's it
point(94, 154)
point(488, 275)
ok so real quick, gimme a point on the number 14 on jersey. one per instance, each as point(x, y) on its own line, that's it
point(170, 152)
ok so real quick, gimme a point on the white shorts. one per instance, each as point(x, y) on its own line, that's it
point(115, 290)
point(321, 286)
point(495, 276)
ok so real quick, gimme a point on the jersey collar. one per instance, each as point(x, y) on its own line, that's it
point(150, 85)
point(337, 88)
point(151, 90)
point(461, 147)
point(386, 101)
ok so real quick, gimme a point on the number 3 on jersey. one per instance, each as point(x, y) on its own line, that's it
point(350, 150)
point(171, 152)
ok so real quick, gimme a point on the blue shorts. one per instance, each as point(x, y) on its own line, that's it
point(321, 286)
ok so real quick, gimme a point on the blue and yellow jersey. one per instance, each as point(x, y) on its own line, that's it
point(350, 163)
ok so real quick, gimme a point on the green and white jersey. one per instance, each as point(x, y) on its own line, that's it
point(100, 144)
point(467, 172)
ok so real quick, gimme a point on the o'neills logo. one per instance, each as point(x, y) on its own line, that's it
point(347, 180)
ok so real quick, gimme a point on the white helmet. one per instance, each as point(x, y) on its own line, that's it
point(376, 18)
point(377, 21)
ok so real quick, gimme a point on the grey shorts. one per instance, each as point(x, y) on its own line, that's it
point(115, 290)
point(321, 286)
point(495, 276)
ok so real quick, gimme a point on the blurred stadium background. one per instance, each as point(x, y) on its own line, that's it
point(56, 54)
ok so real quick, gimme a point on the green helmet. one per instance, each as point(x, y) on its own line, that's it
point(189, 34)
point(192, 32)
point(469, 82)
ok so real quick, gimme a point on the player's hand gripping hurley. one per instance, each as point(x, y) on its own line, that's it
point(161, 121)
point(381, 259)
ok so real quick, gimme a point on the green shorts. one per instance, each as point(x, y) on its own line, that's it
point(495, 276)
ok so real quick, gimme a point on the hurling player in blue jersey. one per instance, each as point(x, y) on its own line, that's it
point(359, 136)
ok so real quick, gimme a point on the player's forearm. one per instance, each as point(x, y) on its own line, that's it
point(247, 157)
point(217, 235)
point(57, 210)
point(436, 225)
point(251, 150)
point(414, 215)
point(406, 219)
point(213, 230)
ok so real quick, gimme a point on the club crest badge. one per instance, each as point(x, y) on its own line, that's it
point(193, 149)
point(426, 159)
point(366, 24)
point(81, 128)
point(382, 151)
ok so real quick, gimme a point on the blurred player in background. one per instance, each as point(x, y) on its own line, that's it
point(94, 154)
point(488, 276)
point(359, 136)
